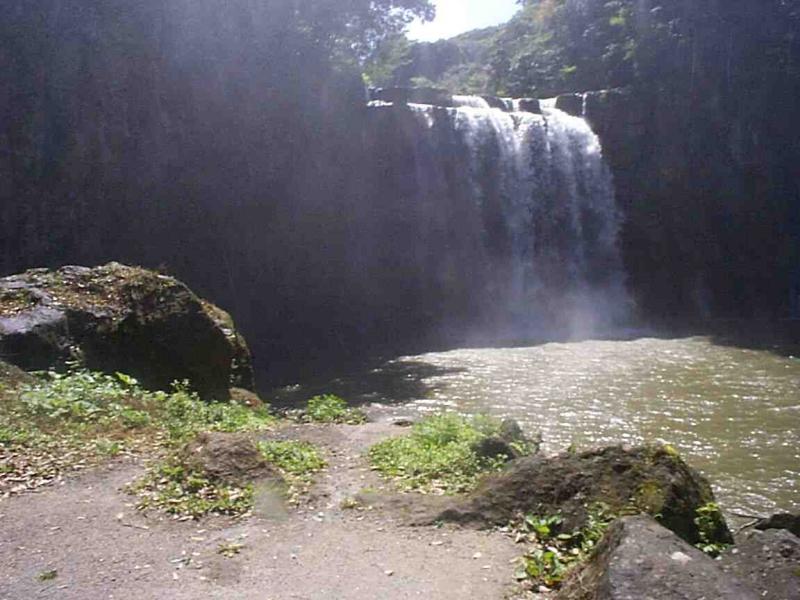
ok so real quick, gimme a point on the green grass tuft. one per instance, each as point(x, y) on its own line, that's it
point(332, 409)
point(180, 491)
point(65, 420)
point(438, 455)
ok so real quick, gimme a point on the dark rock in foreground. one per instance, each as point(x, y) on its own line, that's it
point(119, 318)
point(228, 457)
point(768, 561)
point(786, 521)
point(639, 559)
point(649, 479)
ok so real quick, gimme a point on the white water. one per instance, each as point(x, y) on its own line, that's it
point(547, 176)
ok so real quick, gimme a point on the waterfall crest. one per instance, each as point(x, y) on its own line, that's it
point(538, 201)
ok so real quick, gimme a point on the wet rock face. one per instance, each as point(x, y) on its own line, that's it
point(638, 559)
point(572, 104)
point(228, 458)
point(768, 562)
point(649, 479)
point(119, 318)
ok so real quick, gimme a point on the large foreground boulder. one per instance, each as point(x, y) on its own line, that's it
point(639, 559)
point(120, 318)
point(647, 479)
point(768, 562)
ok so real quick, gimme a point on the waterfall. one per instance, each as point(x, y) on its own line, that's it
point(543, 213)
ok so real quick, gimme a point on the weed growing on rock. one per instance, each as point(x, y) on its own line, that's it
point(710, 521)
point(332, 409)
point(553, 553)
point(178, 490)
point(439, 455)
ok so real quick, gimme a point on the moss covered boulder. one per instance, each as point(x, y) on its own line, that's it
point(120, 318)
point(648, 479)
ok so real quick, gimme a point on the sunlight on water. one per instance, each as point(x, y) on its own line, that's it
point(733, 413)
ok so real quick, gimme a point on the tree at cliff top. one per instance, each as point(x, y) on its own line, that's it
point(557, 46)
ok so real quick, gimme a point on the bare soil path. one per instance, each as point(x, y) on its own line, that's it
point(89, 533)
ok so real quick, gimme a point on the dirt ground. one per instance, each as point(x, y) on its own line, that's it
point(88, 532)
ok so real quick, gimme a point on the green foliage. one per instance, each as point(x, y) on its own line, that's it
point(98, 402)
point(295, 459)
point(553, 554)
point(85, 416)
point(178, 490)
point(81, 396)
point(329, 408)
point(557, 46)
point(710, 521)
point(439, 454)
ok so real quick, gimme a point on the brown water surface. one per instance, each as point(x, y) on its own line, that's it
point(733, 413)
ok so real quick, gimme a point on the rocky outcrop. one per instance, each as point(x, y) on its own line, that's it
point(638, 559)
point(126, 319)
point(228, 457)
point(572, 104)
point(649, 479)
point(510, 442)
point(768, 562)
point(531, 105)
point(786, 521)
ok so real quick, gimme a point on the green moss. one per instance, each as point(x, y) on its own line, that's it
point(438, 455)
point(649, 497)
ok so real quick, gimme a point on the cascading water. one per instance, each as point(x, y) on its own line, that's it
point(543, 213)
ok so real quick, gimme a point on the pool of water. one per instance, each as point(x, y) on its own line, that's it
point(733, 413)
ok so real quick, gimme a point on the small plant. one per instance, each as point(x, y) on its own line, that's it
point(48, 575)
point(293, 458)
point(180, 491)
point(553, 553)
point(349, 504)
point(229, 549)
point(439, 454)
point(332, 409)
point(710, 521)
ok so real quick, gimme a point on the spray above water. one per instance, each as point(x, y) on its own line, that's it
point(548, 217)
